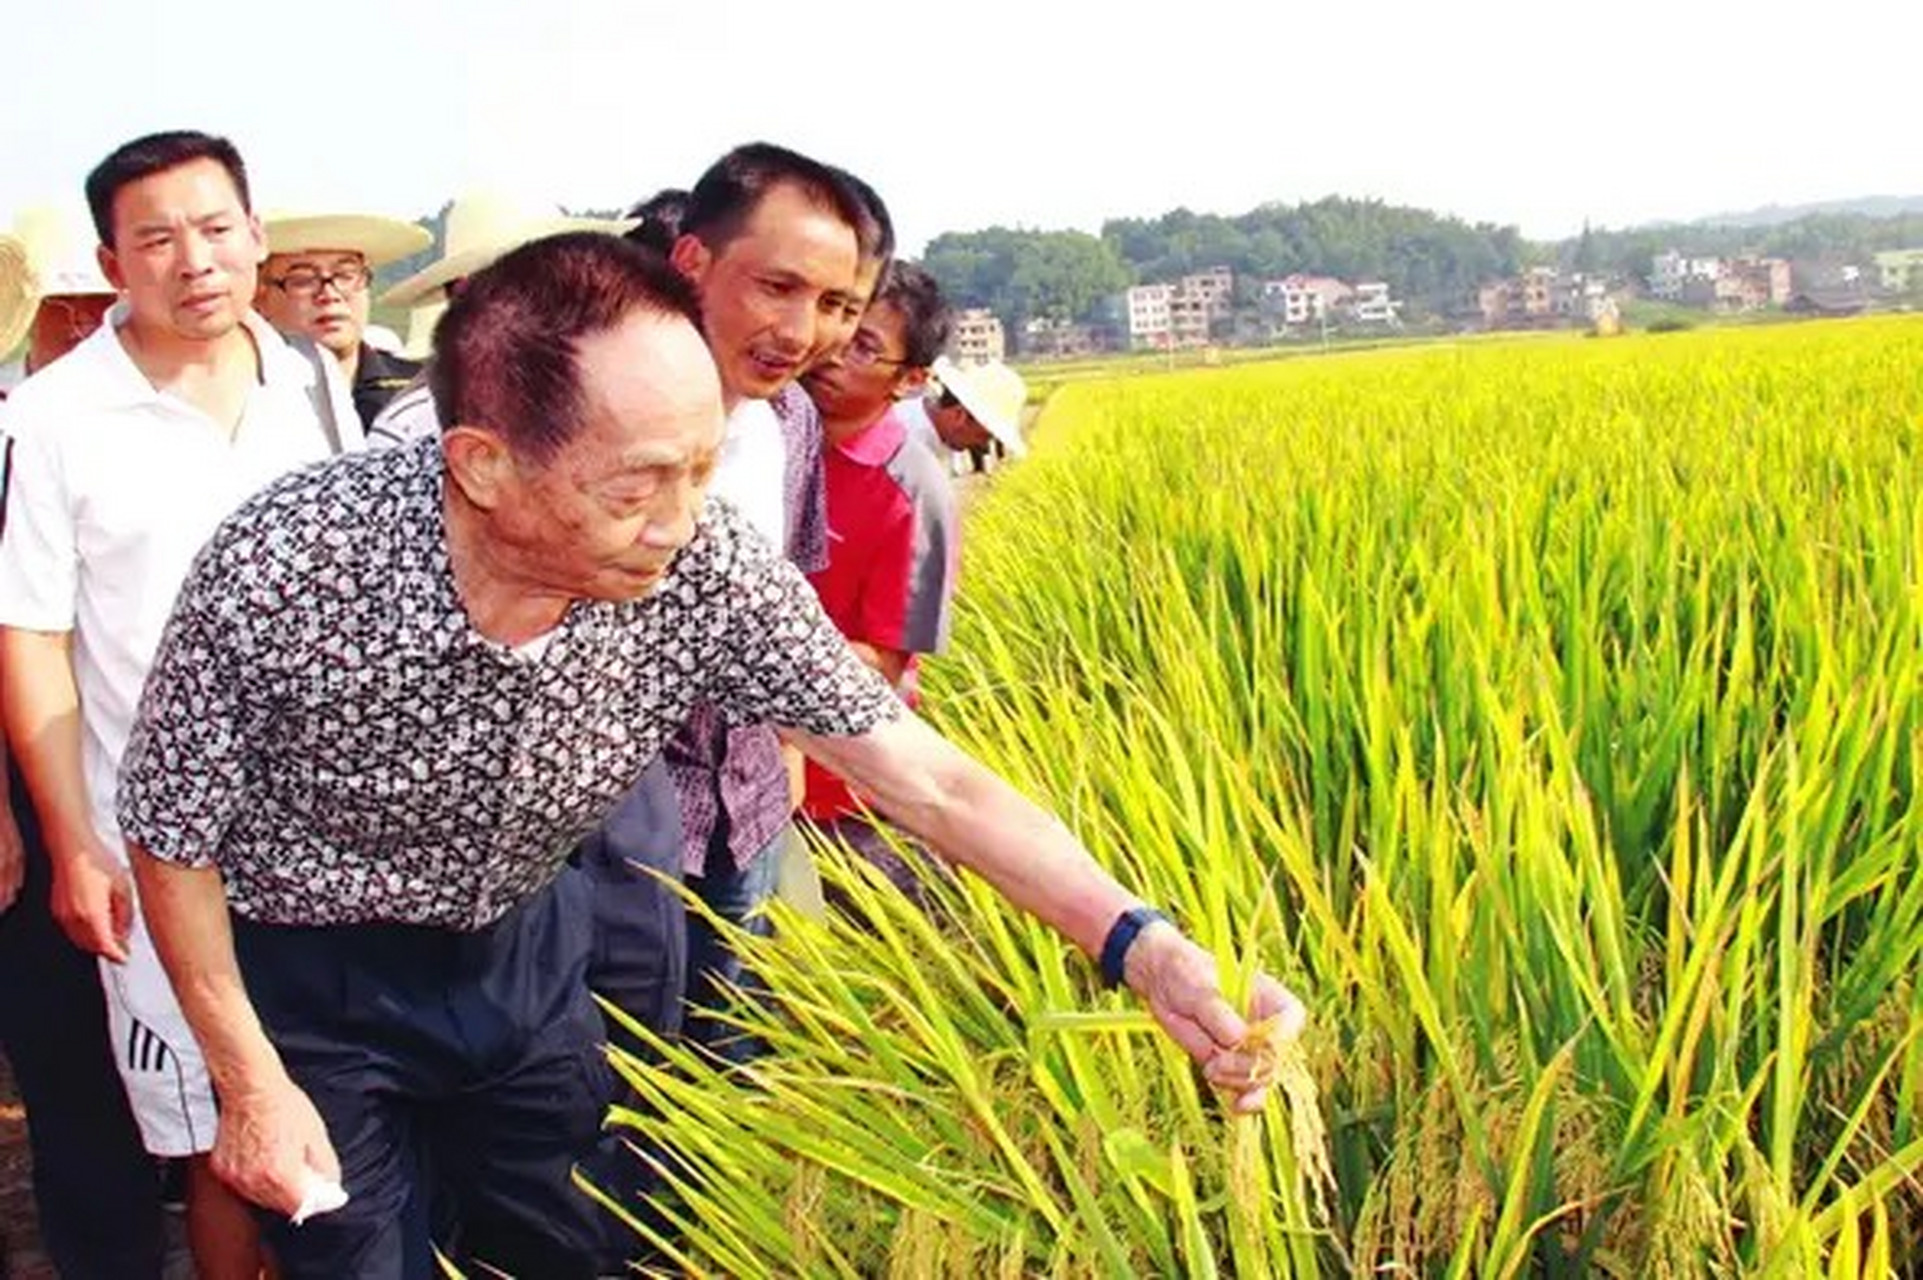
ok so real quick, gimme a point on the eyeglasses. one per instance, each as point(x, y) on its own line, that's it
point(858, 355)
point(305, 282)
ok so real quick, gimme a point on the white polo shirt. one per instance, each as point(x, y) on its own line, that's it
point(114, 488)
point(750, 469)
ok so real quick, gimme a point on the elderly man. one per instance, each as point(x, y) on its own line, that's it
point(127, 452)
point(314, 283)
point(397, 689)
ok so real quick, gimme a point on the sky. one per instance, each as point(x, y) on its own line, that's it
point(1037, 114)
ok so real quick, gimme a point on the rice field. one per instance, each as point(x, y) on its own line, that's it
point(1546, 714)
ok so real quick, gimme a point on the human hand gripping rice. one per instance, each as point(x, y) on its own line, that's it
point(1178, 980)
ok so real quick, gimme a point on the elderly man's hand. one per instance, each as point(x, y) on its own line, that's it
point(1178, 980)
point(270, 1140)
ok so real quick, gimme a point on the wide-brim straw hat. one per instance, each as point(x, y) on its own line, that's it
point(17, 296)
point(419, 343)
point(379, 240)
point(993, 394)
point(62, 251)
point(482, 227)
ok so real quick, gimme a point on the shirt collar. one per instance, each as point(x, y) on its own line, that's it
point(124, 383)
point(873, 445)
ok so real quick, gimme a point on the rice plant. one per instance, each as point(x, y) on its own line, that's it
point(1546, 714)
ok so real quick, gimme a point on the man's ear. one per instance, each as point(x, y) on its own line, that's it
point(910, 383)
point(479, 463)
point(110, 267)
point(259, 233)
point(691, 258)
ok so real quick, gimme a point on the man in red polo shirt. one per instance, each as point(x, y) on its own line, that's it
point(893, 538)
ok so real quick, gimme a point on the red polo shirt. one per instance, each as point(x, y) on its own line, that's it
point(893, 546)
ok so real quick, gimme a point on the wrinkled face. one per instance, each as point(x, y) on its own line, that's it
point(839, 329)
point(770, 295)
point(603, 518)
point(956, 426)
point(322, 294)
point(184, 251)
point(869, 374)
point(62, 322)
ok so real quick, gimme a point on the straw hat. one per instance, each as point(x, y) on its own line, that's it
point(482, 227)
point(17, 298)
point(420, 329)
point(379, 240)
point(61, 247)
point(50, 254)
point(993, 394)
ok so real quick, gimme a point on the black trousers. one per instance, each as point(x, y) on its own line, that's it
point(460, 1076)
point(638, 963)
point(97, 1189)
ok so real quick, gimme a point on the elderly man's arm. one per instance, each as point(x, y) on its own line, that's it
point(270, 1134)
point(944, 796)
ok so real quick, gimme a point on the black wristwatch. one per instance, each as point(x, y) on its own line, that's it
point(1121, 936)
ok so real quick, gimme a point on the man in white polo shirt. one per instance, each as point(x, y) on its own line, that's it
point(126, 455)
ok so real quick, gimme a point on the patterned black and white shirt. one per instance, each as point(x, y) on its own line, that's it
point(324, 724)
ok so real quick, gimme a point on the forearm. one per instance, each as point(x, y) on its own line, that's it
point(42, 719)
point(940, 794)
point(186, 912)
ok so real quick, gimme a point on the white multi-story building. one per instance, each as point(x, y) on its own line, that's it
point(1148, 315)
point(1303, 299)
point(978, 337)
point(1670, 273)
point(1371, 304)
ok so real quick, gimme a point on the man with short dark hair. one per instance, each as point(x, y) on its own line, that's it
point(94, 1185)
point(410, 680)
point(127, 451)
point(783, 251)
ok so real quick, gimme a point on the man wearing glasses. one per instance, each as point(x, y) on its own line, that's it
point(892, 527)
point(314, 282)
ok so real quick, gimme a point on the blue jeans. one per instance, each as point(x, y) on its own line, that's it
point(733, 893)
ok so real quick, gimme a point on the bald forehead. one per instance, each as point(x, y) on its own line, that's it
point(652, 378)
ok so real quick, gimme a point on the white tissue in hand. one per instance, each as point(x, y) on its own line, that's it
point(319, 1194)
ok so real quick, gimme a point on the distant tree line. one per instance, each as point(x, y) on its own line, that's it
point(1431, 263)
point(1820, 237)
point(1428, 261)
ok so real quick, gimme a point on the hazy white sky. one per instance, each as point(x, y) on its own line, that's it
point(1030, 113)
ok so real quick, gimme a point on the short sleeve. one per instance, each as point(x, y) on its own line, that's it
point(781, 661)
point(936, 555)
point(408, 417)
point(39, 563)
point(183, 777)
